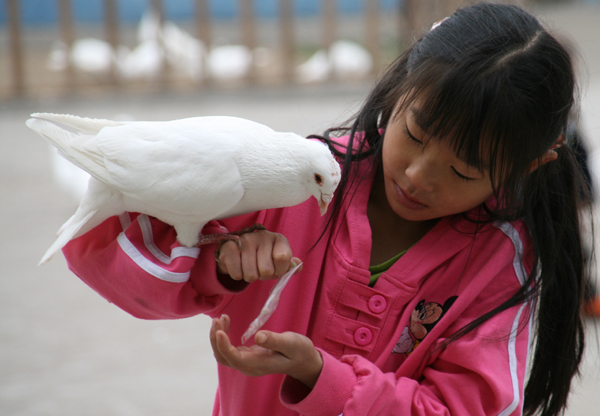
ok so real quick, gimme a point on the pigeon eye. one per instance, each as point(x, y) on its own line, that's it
point(318, 179)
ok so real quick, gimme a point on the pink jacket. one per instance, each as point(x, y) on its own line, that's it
point(381, 346)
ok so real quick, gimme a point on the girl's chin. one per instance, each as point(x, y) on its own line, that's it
point(414, 216)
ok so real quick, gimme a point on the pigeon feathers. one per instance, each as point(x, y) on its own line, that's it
point(185, 172)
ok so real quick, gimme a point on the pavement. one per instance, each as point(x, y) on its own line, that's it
point(66, 351)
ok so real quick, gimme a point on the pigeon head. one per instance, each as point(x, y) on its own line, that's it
point(324, 179)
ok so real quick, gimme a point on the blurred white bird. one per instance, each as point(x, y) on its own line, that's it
point(149, 26)
point(87, 55)
point(92, 55)
point(344, 59)
point(145, 61)
point(229, 62)
point(186, 172)
point(58, 57)
point(317, 68)
point(349, 59)
point(184, 52)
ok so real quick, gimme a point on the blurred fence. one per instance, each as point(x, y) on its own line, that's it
point(160, 54)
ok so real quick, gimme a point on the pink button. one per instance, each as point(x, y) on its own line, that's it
point(377, 304)
point(363, 336)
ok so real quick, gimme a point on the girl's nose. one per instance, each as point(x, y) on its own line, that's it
point(421, 173)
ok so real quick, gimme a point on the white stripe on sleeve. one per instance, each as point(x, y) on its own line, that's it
point(147, 265)
point(514, 236)
point(180, 251)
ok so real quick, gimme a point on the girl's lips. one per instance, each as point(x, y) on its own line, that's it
point(407, 201)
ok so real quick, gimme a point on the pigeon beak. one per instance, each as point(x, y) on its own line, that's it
point(324, 202)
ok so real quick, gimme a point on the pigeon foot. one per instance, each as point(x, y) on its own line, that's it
point(222, 238)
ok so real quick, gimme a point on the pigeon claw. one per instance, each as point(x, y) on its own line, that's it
point(222, 238)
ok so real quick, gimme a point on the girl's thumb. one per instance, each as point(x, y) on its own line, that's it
point(261, 338)
point(296, 261)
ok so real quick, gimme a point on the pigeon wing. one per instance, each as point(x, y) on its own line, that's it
point(73, 137)
point(174, 167)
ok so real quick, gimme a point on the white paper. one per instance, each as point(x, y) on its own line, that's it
point(270, 304)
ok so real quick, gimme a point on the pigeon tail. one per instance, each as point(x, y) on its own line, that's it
point(74, 123)
point(69, 145)
point(67, 233)
point(99, 203)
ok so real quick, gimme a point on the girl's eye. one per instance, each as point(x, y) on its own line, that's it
point(461, 176)
point(413, 138)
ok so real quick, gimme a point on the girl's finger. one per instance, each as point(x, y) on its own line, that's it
point(216, 326)
point(231, 355)
point(264, 260)
point(249, 252)
point(296, 261)
point(221, 349)
point(252, 361)
point(229, 260)
point(225, 321)
point(282, 255)
point(285, 343)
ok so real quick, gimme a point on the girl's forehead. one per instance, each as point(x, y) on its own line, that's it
point(414, 105)
point(418, 117)
point(415, 115)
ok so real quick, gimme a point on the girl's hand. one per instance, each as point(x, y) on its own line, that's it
point(286, 353)
point(263, 256)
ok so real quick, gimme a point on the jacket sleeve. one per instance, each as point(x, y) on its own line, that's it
point(481, 373)
point(136, 262)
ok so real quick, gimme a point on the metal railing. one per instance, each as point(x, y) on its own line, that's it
point(383, 36)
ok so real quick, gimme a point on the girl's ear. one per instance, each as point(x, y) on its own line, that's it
point(549, 156)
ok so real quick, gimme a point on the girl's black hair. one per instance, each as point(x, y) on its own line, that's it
point(493, 81)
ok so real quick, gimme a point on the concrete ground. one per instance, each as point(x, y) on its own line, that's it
point(66, 351)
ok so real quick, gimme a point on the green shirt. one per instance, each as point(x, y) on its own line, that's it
point(378, 269)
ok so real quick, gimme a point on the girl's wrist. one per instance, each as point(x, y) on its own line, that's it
point(310, 370)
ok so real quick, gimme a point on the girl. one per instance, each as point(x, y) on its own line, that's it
point(452, 244)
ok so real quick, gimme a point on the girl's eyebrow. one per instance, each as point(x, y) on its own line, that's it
point(419, 117)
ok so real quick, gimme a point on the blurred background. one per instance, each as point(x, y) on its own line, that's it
point(64, 47)
point(299, 66)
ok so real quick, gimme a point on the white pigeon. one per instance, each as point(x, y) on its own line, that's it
point(229, 62)
point(344, 59)
point(87, 55)
point(316, 69)
point(183, 51)
point(185, 172)
point(350, 60)
point(144, 62)
point(94, 56)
